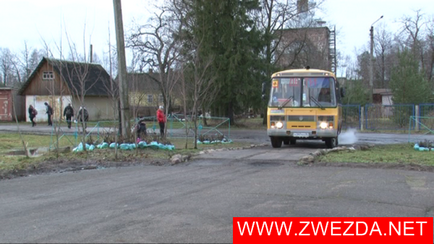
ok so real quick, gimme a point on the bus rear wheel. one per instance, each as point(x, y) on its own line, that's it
point(276, 142)
point(331, 142)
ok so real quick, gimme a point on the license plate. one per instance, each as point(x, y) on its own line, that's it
point(301, 134)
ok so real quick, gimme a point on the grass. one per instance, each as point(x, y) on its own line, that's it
point(385, 154)
point(12, 142)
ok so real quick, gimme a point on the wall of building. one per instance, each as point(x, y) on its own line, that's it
point(58, 103)
point(99, 108)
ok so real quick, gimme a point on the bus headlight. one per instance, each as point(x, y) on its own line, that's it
point(323, 125)
point(279, 125)
point(326, 125)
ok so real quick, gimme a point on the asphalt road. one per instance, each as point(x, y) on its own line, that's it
point(196, 201)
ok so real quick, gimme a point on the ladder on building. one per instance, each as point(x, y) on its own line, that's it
point(332, 50)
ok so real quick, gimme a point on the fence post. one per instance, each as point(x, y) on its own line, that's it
point(362, 112)
point(416, 110)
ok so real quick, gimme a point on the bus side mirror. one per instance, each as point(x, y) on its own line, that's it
point(342, 90)
point(263, 91)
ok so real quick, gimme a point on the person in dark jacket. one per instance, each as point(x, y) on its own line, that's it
point(83, 115)
point(324, 95)
point(141, 130)
point(68, 112)
point(32, 115)
point(49, 113)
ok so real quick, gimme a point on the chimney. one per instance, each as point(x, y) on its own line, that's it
point(302, 6)
point(91, 53)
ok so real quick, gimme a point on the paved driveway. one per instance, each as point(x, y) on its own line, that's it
point(196, 202)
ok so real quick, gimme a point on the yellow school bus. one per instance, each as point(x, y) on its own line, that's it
point(304, 104)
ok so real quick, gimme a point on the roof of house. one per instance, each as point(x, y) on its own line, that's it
point(142, 81)
point(94, 76)
point(382, 91)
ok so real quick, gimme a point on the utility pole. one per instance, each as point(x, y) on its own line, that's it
point(122, 72)
point(371, 61)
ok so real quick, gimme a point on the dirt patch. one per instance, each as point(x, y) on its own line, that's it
point(21, 152)
point(400, 166)
point(68, 165)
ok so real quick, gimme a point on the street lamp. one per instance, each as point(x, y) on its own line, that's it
point(371, 61)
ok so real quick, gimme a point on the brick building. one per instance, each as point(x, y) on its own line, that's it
point(311, 46)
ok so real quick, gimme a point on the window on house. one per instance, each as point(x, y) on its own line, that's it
point(150, 99)
point(48, 75)
point(160, 98)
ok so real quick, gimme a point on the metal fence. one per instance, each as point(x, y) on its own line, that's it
point(216, 128)
point(388, 117)
point(426, 117)
point(351, 116)
point(377, 117)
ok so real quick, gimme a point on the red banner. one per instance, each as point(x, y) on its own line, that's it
point(335, 230)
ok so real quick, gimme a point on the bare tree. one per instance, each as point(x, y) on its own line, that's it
point(6, 65)
point(55, 87)
point(202, 87)
point(275, 18)
point(159, 50)
point(383, 47)
point(25, 62)
point(77, 74)
point(430, 52)
point(112, 89)
point(413, 28)
point(26, 151)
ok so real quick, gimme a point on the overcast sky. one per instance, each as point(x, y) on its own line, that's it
point(39, 21)
point(353, 18)
point(36, 21)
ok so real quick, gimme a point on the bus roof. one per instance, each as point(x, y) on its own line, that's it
point(303, 73)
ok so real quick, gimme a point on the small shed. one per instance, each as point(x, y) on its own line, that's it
point(5, 104)
point(382, 96)
point(7, 111)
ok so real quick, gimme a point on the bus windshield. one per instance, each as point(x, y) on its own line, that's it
point(303, 92)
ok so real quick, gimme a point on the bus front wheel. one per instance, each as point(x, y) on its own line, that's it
point(331, 142)
point(276, 142)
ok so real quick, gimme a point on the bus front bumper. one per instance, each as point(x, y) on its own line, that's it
point(303, 134)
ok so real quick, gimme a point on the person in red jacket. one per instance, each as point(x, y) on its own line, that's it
point(161, 118)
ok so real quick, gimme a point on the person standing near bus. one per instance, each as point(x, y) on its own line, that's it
point(161, 118)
